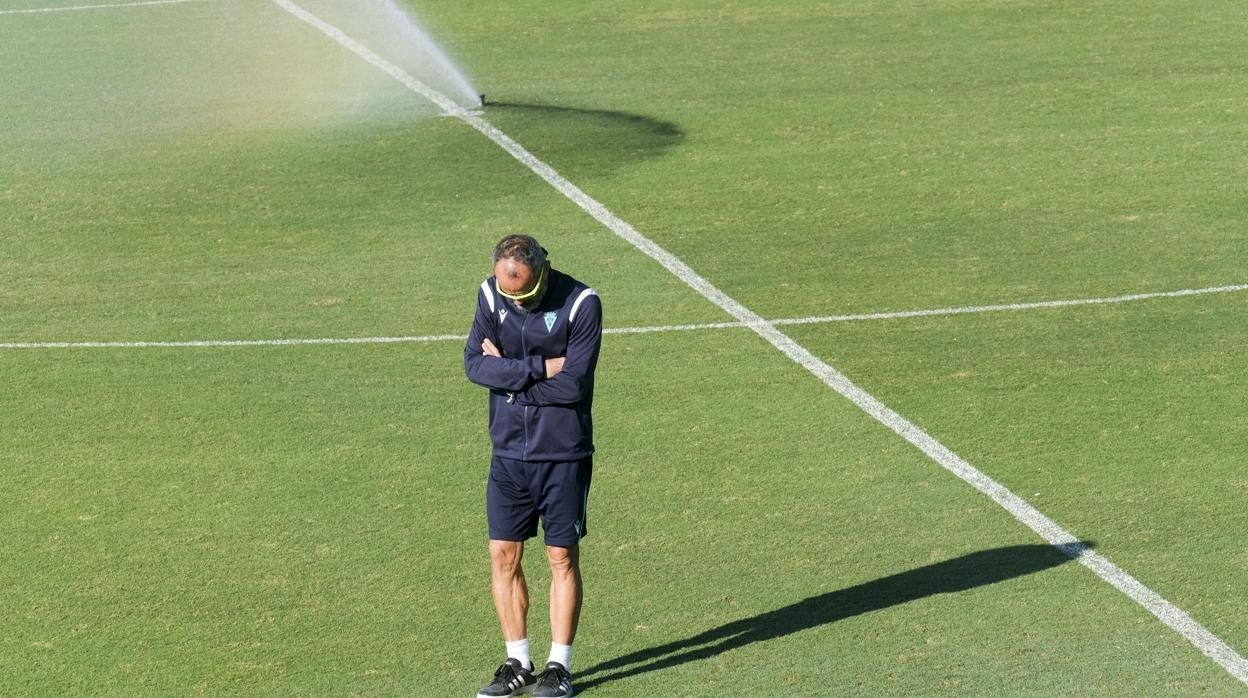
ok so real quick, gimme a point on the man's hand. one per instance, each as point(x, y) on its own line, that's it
point(554, 366)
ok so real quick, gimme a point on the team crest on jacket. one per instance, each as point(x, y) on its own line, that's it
point(550, 320)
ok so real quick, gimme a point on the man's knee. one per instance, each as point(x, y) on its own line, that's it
point(505, 555)
point(564, 560)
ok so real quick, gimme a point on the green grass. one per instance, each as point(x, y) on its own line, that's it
point(310, 520)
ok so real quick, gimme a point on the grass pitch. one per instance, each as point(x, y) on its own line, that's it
point(309, 520)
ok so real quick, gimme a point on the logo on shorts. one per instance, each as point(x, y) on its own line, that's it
point(550, 320)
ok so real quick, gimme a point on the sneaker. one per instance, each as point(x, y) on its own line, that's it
point(553, 682)
point(511, 679)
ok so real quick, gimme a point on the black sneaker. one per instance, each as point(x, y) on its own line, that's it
point(553, 682)
point(511, 679)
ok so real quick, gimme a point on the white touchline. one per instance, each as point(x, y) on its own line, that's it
point(205, 343)
point(1011, 306)
point(1167, 612)
point(651, 329)
point(42, 10)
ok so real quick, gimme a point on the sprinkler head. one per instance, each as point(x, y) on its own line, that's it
point(482, 98)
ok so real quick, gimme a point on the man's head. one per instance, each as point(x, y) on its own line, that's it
point(520, 270)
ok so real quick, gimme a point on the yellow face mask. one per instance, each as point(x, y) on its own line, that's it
point(527, 295)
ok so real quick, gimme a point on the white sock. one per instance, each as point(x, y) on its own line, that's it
point(561, 654)
point(519, 651)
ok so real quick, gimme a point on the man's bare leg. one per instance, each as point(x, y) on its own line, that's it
point(565, 592)
point(511, 592)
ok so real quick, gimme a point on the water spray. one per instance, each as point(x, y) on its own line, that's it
point(382, 33)
point(400, 39)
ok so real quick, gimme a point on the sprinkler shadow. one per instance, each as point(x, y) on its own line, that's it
point(958, 574)
point(591, 137)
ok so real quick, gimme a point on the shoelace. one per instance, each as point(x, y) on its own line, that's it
point(506, 673)
point(551, 678)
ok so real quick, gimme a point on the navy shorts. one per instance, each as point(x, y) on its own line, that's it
point(519, 492)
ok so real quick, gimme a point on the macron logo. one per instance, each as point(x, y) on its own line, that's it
point(502, 314)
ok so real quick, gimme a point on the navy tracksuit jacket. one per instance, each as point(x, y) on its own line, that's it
point(533, 418)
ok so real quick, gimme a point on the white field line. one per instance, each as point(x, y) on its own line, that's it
point(1167, 612)
point(44, 10)
point(1012, 306)
point(231, 342)
point(627, 330)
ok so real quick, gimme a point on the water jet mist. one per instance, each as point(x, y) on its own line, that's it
point(391, 32)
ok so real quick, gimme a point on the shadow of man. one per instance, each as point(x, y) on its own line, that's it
point(958, 574)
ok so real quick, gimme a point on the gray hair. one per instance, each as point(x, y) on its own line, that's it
point(522, 248)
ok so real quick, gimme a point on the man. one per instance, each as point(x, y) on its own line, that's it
point(534, 344)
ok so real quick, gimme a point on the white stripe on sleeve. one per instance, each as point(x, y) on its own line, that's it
point(584, 294)
point(489, 293)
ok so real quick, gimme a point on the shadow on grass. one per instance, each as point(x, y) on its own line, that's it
point(592, 137)
point(959, 574)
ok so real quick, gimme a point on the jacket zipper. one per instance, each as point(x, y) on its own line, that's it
point(524, 345)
